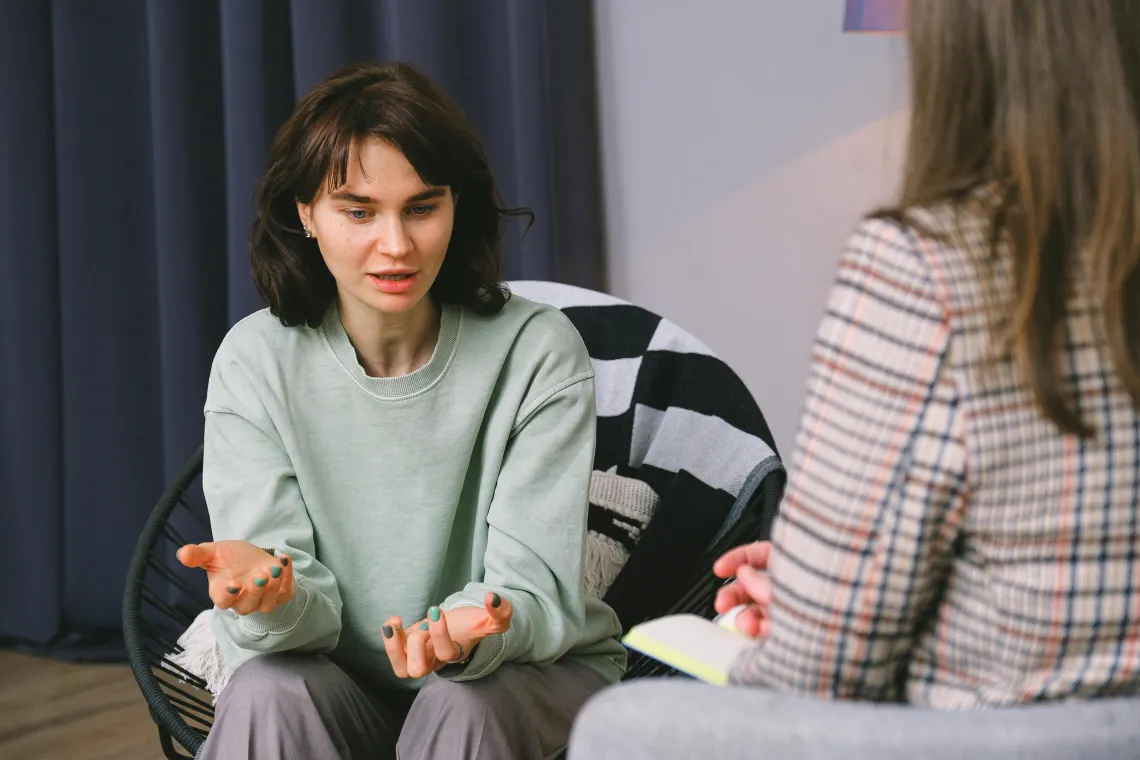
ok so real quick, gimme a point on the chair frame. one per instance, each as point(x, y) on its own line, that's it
point(170, 705)
point(173, 708)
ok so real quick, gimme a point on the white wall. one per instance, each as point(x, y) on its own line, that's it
point(741, 140)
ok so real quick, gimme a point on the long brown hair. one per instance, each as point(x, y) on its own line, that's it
point(397, 104)
point(1039, 99)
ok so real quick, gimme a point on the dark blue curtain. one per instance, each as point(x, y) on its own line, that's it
point(132, 134)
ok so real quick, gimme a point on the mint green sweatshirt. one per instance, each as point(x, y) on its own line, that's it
point(469, 475)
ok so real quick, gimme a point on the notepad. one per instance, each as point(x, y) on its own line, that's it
point(691, 644)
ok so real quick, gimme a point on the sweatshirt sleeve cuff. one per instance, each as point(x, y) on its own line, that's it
point(488, 655)
point(282, 620)
point(486, 659)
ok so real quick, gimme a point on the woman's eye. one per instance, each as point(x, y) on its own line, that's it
point(420, 210)
point(358, 214)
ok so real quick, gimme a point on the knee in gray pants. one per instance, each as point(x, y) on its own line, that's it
point(517, 711)
point(275, 680)
point(279, 706)
point(473, 719)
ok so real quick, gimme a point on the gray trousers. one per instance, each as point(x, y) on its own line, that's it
point(686, 719)
point(286, 706)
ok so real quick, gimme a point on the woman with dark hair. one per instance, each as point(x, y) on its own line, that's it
point(397, 456)
point(962, 524)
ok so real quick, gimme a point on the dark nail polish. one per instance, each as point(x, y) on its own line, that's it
point(433, 614)
point(285, 561)
point(423, 626)
point(387, 631)
point(232, 589)
point(260, 582)
point(495, 600)
point(275, 571)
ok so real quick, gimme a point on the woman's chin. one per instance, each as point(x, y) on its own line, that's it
point(389, 304)
point(395, 303)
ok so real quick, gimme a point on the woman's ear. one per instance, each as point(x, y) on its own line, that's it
point(305, 212)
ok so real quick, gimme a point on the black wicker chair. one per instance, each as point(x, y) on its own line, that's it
point(160, 601)
point(162, 597)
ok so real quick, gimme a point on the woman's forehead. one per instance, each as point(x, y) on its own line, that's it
point(378, 171)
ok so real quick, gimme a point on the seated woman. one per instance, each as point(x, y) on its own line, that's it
point(397, 456)
point(962, 527)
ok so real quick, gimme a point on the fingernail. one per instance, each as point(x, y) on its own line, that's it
point(433, 614)
point(285, 561)
point(495, 600)
point(387, 631)
point(260, 582)
point(275, 571)
point(232, 589)
point(423, 626)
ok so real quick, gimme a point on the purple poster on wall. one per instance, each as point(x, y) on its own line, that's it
point(875, 16)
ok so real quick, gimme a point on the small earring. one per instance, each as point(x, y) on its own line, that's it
point(308, 232)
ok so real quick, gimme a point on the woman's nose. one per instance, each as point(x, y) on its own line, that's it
point(391, 237)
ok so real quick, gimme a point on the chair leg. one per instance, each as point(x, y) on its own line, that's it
point(168, 749)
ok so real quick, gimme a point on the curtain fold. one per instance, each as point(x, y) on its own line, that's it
point(132, 135)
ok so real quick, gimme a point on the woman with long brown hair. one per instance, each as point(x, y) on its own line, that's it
point(962, 527)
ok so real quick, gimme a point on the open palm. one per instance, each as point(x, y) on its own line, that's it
point(242, 577)
point(444, 637)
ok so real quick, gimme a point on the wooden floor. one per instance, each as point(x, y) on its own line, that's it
point(53, 710)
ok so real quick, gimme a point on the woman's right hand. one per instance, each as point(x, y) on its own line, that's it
point(752, 588)
point(243, 577)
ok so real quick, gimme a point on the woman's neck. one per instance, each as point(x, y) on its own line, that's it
point(391, 345)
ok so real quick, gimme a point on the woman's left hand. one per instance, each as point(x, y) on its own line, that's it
point(444, 638)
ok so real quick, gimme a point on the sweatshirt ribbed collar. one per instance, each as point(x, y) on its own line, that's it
point(403, 386)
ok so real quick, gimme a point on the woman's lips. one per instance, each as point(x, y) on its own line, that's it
point(401, 283)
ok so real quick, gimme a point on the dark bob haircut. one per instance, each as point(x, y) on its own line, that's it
point(395, 103)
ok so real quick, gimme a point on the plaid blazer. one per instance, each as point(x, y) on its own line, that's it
point(941, 543)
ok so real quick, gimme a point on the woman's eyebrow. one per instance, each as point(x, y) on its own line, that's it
point(431, 192)
point(352, 197)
